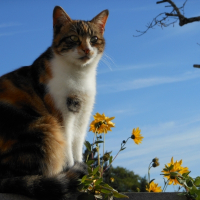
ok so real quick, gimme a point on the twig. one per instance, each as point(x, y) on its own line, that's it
point(122, 146)
point(196, 66)
point(176, 12)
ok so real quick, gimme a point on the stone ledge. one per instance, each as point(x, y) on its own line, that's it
point(5, 196)
point(132, 196)
point(154, 196)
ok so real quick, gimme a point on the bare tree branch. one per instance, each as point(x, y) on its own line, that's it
point(166, 19)
point(182, 19)
point(196, 66)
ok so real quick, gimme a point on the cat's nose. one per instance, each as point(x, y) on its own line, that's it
point(86, 50)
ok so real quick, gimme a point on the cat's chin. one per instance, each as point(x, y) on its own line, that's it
point(83, 61)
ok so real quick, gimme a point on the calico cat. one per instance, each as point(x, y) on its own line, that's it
point(45, 110)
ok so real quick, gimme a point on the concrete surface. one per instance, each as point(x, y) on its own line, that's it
point(132, 196)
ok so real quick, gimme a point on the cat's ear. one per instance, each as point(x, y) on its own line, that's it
point(100, 20)
point(60, 17)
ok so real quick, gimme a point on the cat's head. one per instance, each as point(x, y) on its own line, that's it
point(79, 42)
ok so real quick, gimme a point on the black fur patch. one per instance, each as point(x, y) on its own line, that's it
point(73, 104)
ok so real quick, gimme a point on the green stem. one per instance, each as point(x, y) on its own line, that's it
point(122, 146)
point(98, 154)
point(103, 143)
point(165, 186)
point(93, 144)
point(149, 172)
point(103, 152)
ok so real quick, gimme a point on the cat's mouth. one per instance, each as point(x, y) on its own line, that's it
point(84, 58)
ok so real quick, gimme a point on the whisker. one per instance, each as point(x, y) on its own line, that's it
point(109, 58)
point(108, 61)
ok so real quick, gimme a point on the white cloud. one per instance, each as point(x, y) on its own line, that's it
point(130, 67)
point(5, 25)
point(118, 86)
point(18, 32)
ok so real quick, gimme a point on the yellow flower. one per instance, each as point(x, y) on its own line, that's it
point(136, 136)
point(101, 124)
point(153, 187)
point(112, 179)
point(90, 187)
point(175, 167)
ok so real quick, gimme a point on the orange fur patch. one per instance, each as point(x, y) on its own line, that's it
point(17, 97)
point(54, 144)
point(6, 145)
point(45, 77)
point(52, 109)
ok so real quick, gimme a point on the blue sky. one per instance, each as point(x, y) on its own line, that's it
point(147, 82)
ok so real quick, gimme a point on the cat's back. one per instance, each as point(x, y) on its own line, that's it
point(15, 85)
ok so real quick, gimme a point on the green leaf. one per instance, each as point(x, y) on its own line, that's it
point(110, 160)
point(171, 167)
point(119, 195)
point(151, 181)
point(189, 183)
point(166, 170)
point(197, 181)
point(174, 174)
point(89, 170)
point(83, 179)
point(165, 174)
point(89, 162)
point(100, 141)
point(194, 193)
point(105, 191)
point(185, 174)
point(98, 181)
point(88, 145)
point(181, 181)
point(96, 170)
point(108, 186)
point(88, 181)
point(100, 187)
point(122, 149)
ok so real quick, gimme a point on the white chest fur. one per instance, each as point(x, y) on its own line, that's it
point(71, 81)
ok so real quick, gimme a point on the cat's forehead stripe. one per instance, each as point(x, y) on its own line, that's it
point(83, 28)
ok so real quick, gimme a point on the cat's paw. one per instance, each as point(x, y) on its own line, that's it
point(81, 167)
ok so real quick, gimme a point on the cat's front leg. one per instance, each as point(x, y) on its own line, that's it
point(80, 130)
point(69, 121)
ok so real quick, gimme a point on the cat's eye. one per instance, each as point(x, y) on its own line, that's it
point(74, 38)
point(94, 39)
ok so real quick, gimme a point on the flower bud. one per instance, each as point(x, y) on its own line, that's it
point(155, 164)
point(155, 159)
point(112, 179)
point(106, 156)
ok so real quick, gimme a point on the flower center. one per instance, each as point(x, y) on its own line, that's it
point(98, 124)
point(172, 177)
point(133, 137)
